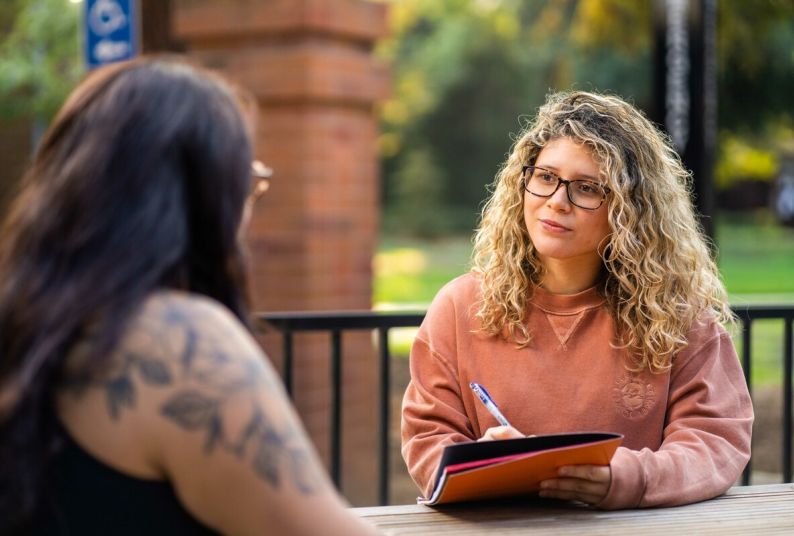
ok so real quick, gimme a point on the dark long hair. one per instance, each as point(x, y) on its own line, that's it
point(138, 184)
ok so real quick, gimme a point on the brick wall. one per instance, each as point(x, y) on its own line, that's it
point(313, 235)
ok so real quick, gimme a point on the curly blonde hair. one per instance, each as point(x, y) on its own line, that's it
point(659, 274)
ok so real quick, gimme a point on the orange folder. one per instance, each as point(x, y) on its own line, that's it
point(489, 469)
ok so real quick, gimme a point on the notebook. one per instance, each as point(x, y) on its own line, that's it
point(490, 469)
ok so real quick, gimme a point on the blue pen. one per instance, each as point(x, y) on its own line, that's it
point(490, 405)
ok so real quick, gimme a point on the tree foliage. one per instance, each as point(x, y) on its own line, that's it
point(39, 56)
point(469, 73)
point(756, 60)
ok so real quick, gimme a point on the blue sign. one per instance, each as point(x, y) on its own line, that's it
point(111, 31)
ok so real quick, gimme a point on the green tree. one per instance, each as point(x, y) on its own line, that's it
point(469, 72)
point(39, 56)
point(756, 77)
point(756, 64)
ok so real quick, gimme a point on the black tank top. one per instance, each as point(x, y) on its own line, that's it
point(88, 497)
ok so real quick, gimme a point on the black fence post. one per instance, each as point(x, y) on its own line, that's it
point(685, 90)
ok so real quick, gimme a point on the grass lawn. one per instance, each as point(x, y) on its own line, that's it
point(756, 260)
point(409, 272)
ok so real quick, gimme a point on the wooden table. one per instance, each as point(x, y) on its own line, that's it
point(747, 510)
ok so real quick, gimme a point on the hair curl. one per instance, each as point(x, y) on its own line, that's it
point(659, 274)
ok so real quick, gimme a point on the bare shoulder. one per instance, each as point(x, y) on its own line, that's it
point(191, 388)
point(188, 339)
point(176, 340)
point(216, 385)
point(182, 320)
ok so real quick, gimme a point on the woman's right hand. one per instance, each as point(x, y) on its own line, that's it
point(500, 432)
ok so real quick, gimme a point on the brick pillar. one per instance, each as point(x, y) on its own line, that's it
point(310, 65)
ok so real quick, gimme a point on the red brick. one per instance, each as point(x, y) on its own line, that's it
point(348, 19)
point(312, 236)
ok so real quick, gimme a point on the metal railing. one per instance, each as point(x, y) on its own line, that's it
point(336, 322)
point(747, 314)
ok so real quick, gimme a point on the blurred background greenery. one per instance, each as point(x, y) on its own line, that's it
point(40, 58)
point(469, 73)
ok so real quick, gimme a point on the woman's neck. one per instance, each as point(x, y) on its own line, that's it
point(569, 276)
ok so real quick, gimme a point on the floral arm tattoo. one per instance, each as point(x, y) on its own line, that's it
point(213, 382)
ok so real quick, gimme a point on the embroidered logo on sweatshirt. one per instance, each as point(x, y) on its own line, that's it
point(633, 397)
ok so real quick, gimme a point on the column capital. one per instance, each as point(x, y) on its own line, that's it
point(197, 21)
point(290, 51)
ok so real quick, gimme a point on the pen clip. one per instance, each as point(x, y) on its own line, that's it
point(489, 403)
point(479, 388)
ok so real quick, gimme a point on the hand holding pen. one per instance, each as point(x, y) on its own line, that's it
point(489, 403)
point(506, 430)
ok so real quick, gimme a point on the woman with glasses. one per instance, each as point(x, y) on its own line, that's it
point(593, 304)
point(133, 398)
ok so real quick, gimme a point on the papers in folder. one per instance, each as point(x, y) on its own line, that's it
point(488, 469)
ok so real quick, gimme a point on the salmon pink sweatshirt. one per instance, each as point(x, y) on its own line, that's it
point(687, 430)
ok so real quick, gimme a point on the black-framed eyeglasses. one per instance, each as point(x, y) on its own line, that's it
point(260, 175)
point(585, 194)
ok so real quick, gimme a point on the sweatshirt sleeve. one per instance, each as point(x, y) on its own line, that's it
point(706, 438)
point(433, 415)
